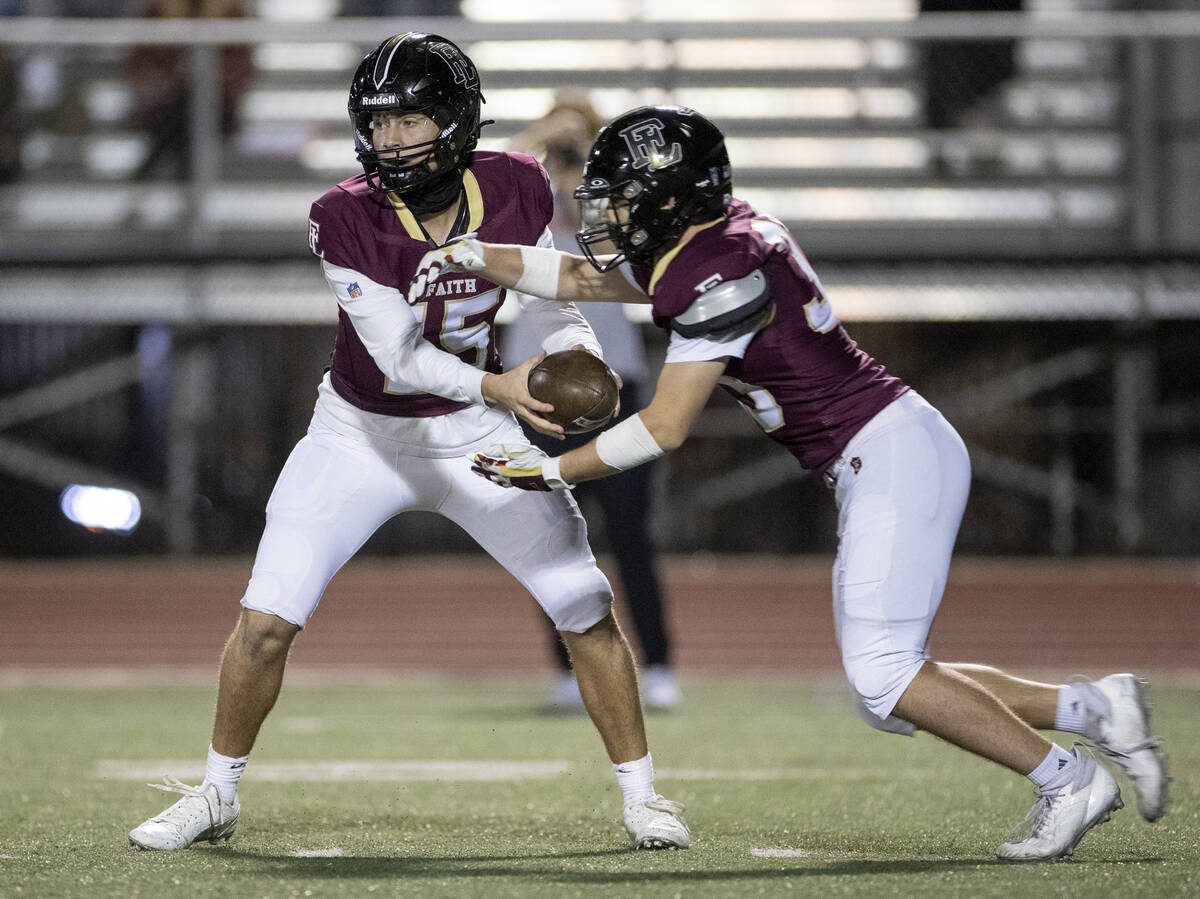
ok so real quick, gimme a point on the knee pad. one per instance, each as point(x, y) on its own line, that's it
point(264, 594)
point(880, 679)
point(889, 725)
point(575, 597)
point(289, 573)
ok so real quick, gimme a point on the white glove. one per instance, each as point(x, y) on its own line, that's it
point(518, 465)
point(463, 255)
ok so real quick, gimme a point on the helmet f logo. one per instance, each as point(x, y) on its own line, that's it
point(455, 61)
point(648, 147)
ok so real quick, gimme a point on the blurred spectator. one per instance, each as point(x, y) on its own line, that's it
point(561, 140)
point(962, 75)
point(92, 9)
point(10, 126)
point(162, 91)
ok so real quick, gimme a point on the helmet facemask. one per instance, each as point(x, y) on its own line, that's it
point(607, 225)
point(407, 170)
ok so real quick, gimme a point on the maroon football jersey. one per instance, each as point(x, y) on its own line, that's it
point(803, 379)
point(509, 201)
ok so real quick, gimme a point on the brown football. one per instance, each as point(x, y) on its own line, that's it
point(581, 388)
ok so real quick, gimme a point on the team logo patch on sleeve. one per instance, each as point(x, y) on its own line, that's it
point(353, 290)
point(314, 237)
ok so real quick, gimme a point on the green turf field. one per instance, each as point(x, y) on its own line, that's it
point(787, 793)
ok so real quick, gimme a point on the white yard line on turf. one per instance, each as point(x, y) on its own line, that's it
point(335, 852)
point(302, 725)
point(794, 773)
point(314, 772)
point(480, 770)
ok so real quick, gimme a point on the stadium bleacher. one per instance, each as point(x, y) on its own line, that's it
point(1061, 207)
point(828, 125)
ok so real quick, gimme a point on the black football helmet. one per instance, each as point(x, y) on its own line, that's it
point(651, 172)
point(424, 73)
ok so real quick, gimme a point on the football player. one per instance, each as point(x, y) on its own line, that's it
point(415, 381)
point(745, 311)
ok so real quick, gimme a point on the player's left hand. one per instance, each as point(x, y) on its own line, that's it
point(515, 465)
point(511, 389)
point(464, 254)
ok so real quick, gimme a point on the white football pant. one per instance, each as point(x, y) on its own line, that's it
point(355, 470)
point(901, 487)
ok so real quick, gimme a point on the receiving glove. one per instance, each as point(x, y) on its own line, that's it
point(463, 255)
point(518, 465)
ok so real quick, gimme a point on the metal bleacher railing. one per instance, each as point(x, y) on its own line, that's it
point(824, 119)
point(824, 122)
point(1064, 188)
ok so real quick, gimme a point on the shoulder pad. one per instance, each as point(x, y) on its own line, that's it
point(725, 306)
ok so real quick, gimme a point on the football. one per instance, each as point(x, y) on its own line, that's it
point(580, 386)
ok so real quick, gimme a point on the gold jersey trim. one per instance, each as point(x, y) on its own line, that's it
point(474, 208)
point(661, 265)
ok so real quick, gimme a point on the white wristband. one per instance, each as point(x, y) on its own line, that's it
point(540, 276)
point(552, 476)
point(627, 445)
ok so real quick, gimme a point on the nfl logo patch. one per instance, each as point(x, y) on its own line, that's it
point(354, 290)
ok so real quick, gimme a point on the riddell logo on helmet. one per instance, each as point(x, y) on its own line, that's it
point(380, 100)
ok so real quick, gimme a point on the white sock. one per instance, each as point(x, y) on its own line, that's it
point(1074, 702)
point(1054, 762)
point(1072, 710)
point(224, 772)
point(636, 778)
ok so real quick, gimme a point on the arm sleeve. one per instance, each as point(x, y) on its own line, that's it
point(392, 333)
point(557, 325)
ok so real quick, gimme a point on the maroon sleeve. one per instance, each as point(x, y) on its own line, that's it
point(535, 187)
point(333, 230)
point(702, 264)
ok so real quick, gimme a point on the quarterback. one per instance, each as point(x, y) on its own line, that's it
point(745, 311)
point(414, 382)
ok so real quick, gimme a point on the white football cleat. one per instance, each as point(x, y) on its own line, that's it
point(1124, 736)
point(656, 823)
point(199, 815)
point(659, 687)
point(1065, 811)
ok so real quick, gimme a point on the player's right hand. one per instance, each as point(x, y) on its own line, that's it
point(462, 255)
point(517, 465)
point(511, 389)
